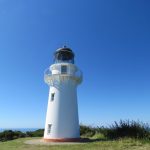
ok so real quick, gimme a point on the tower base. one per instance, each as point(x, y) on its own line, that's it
point(63, 140)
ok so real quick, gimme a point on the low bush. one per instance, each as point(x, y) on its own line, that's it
point(37, 133)
point(10, 135)
point(131, 129)
point(87, 131)
point(121, 129)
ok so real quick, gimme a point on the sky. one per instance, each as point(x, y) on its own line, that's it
point(111, 42)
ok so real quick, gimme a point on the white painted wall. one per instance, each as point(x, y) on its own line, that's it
point(62, 112)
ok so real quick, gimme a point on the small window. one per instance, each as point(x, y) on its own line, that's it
point(49, 128)
point(52, 96)
point(63, 69)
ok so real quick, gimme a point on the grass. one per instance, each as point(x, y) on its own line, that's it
point(125, 135)
point(121, 144)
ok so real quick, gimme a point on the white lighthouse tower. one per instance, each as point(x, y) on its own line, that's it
point(62, 123)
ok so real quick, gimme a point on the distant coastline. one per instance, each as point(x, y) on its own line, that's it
point(19, 129)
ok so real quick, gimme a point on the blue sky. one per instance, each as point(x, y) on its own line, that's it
point(111, 41)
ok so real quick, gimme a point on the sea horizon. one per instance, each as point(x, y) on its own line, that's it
point(19, 129)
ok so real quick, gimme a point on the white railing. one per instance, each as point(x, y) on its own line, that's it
point(50, 78)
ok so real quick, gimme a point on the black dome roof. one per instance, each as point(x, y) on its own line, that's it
point(64, 54)
point(64, 49)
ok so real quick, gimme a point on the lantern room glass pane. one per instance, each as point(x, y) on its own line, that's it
point(64, 55)
point(63, 69)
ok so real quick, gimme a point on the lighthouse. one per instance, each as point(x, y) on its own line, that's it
point(63, 77)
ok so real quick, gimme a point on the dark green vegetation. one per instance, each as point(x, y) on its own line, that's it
point(11, 135)
point(37, 133)
point(129, 129)
point(87, 131)
point(125, 135)
point(123, 129)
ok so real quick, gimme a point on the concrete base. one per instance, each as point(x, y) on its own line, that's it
point(63, 140)
point(43, 142)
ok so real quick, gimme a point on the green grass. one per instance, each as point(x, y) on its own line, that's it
point(122, 144)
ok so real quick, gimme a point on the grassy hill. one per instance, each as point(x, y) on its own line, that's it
point(122, 144)
point(125, 135)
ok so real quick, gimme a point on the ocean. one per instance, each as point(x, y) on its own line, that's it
point(19, 129)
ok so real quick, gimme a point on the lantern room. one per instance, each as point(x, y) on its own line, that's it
point(64, 55)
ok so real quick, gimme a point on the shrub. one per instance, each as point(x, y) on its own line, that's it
point(6, 135)
point(131, 129)
point(37, 133)
point(19, 134)
point(87, 131)
point(10, 135)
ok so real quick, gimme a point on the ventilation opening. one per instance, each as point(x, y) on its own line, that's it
point(49, 128)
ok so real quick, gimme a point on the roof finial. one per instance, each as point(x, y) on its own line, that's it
point(64, 46)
